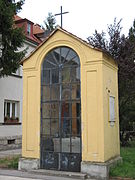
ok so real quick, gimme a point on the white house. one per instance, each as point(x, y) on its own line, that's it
point(11, 91)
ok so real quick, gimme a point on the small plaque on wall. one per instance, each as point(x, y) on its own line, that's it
point(112, 108)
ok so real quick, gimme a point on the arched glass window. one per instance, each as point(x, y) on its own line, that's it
point(61, 110)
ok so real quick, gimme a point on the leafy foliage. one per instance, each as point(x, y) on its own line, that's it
point(50, 22)
point(109, 41)
point(122, 49)
point(11, 37)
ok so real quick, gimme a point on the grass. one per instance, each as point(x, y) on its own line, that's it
point(127, 168)
point(9, 162)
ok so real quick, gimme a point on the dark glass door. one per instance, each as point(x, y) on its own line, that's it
point(61, 110)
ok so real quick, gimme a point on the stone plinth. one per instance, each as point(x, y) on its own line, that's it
point(99, 170)
point(28, 164)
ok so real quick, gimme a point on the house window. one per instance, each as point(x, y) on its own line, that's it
point(11, 111)
point(28, 28)
point(8, 109)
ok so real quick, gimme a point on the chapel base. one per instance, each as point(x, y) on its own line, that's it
point(28, 164)
point(99, 170)
point(92, 169)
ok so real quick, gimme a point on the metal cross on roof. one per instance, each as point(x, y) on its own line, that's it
point(61, 13)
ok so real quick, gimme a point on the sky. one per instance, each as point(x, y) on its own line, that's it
point(84, 15)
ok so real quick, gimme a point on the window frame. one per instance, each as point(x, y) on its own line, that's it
point(9, 118)
point(28, 29)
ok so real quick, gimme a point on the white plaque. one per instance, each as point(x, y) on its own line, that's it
point(112, 108)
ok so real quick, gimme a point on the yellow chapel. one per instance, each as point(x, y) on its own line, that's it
point(70, 107)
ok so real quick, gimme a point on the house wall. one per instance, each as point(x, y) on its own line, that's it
point(11, 88)
point(94, 110)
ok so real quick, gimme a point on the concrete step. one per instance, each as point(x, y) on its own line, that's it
point(75, 175)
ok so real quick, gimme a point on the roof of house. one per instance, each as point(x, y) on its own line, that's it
point(68, 33)
point(16, 18)
point(36, 30)
point(33, 38)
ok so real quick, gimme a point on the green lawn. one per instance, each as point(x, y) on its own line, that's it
point(9, 162)
point(127, 168)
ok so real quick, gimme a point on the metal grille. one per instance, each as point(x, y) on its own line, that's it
point(61, 110)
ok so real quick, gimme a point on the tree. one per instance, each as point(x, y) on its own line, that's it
point(50, 22)
point(11, 37)
point(122, 49)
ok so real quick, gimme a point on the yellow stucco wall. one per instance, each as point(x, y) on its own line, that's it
point(100, 142)
point(110, 88)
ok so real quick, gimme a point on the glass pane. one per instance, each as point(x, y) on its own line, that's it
point(46, 127)
point(76, 144)
point(45, 93)
point(75, 75)
point(55, 76)
point(55, 127)
point(66, 144)
point(66, 93)
point(66, 75)
point(4, 108)
point(8, 109)
point(13, 110)
point(65, 123)
point(56, 142)
point(75, 91)
point(49, 62)
point(54, 110)
point(76, 109)
point(48, 144)
point(45, 110)
point(56, 55)
point(65, 119)
point(75, 61)
point(65, 110)
point(71, 56)
point(46, 77)
point(76, 127)
point(72, 62)
point(64, 53)
point(55, 92)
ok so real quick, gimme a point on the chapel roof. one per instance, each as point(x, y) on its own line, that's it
point(68, 33)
